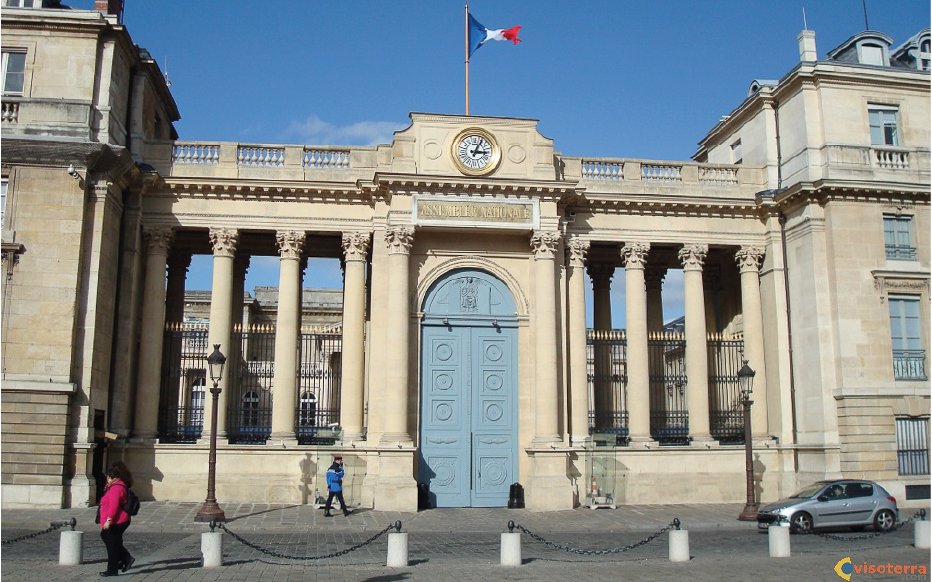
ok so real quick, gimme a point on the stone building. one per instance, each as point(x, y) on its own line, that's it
point(459, 355)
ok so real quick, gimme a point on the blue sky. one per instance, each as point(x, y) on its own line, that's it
point(609, 78)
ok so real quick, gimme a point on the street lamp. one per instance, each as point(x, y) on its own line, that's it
point(746, 384)
point(210, 511)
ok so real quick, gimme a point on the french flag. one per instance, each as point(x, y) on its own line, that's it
point(478, 34)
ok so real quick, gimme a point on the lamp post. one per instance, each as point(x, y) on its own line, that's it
point(746, 384)
point(210, 511)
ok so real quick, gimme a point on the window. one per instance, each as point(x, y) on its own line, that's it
point(898, 237)
point(250, 409)
point(883, 125)
point(912, 446)
point(871, 54)
point(736, 155)
point(197, 394)
point(14, 72)
point(906, 335)
point(21, 4)
point(924, 56)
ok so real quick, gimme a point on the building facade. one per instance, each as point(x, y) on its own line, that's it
point(460, 355)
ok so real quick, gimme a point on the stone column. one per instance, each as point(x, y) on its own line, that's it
point(224, 241)
point(178, 393)
point(399, 240)
point(653, 281)
point(635, 257)
point(152, 334)
point(355, 251)
point(749, 259)
point(545, 244)
point(601, 276)
point(285, 381)
point(697, 362)
point(579, 381)
point(240, 268)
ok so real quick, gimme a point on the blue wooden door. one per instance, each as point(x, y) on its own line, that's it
point(469, 423)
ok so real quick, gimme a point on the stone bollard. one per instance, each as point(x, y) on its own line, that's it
point(397, 548)
point(778, 535)
point(511, 546)
point(679, 543)
point(212, 547)
point(922, 532)
point(71, 546)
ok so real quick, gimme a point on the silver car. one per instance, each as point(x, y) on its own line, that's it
point(839, 503)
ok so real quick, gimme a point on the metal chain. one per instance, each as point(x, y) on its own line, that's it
point(287, 557)
point(54, 526)
point(652, 537)
point(919, 514)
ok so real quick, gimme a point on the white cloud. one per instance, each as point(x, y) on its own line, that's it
point(316, 131)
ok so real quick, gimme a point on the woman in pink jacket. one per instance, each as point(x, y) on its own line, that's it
point(114, 521)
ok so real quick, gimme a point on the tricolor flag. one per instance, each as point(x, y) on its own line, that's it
point(478, 34)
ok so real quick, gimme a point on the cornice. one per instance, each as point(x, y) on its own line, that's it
point(824, 191)
point(384, 185)
point(654, 205)
point(238, 188)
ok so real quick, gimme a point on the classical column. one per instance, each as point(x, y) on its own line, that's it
point(653, 281)
point(152, 333)
point(224, 241)
point(545, 244)
point(240, 268)
point(601, 275)
point(749, 259)
point(697, 362)
point(399, 240)
point(635, 256)
point(355, 251)
point(579, 382)
point(287, 324)
point(178, 393)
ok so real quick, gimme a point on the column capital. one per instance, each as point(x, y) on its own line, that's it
point(159, 239)
point(399, 240)
point(290, 243)
point(693, 257)
point(653, 277)
point(635, 255)
point(355, 245)
point(179, 261)
point(749, 258)
point(600, 273)
point(544, 243)
point(224, 241)
point(576, 252)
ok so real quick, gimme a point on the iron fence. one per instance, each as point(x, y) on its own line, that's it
point(251, 370)
point(726, 413)
point(666, 359)
point(183, 384)
point(607, 377)
point(317, 416)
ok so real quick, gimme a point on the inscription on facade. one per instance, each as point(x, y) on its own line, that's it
point(465, 212)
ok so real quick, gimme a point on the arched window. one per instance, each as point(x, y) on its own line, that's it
point(250, 409)
point(307, 409)
point(197, 393)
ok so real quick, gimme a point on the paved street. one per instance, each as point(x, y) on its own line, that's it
point(447, 544)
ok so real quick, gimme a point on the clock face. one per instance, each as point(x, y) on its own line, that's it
point(475, 152)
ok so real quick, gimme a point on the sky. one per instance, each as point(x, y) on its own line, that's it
point(606, 78)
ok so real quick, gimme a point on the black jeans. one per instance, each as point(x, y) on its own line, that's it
point(116, 553)
point(338, 495)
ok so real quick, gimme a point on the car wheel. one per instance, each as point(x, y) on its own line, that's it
point(801, 523)
point(884, 520)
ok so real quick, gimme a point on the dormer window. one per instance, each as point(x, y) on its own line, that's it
point(871, 54)
point(925, 58)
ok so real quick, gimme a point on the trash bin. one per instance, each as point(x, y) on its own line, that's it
point(516, 496)
point(423, 496)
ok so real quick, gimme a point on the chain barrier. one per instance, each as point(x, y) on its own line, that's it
point(274, 554)
point(921, 514)
point(52, 527)
point(675, 524)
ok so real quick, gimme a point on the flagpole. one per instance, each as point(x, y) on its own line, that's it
point(467, 57)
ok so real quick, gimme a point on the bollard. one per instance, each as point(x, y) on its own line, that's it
point(71, 548)
point(679, 543)
point(511, 546)
point(397, 548)
point(212, 547)
point(922, 532)
point(778, 536)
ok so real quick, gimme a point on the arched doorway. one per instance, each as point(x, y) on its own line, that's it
point(469, 391)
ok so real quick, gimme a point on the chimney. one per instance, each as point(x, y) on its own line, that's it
point(807, 48)
point(110, 8)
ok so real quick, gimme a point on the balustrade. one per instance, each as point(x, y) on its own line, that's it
point(326, 158)
point(10, 112)
point(264, 157)
point(891, 159)
point(598, 170)
point(718, 176)
point(196, 154)
point(661, 172)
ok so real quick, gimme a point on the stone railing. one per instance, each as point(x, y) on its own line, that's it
point(259, 156)
point(326, 158)
point(617, 175)
point(10, 112)
point(196, 154)
point(890, 159)
point(865, 162)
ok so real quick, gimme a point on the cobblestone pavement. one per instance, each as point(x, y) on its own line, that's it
point(448, 544)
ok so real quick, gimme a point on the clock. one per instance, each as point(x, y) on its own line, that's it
point(475, 152)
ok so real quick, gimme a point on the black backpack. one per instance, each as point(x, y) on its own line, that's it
point(132, 502)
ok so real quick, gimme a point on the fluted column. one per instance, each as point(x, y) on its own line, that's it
point(749, 259)
point(653, 281)
point(579, 382)
point(178, 393)
point(635, 257)
point(152, 334)
point(285, 381)
point(545, 244)
point(601, 276)
point(224, 241)
point(399, 240)
point(697, 359)
point(355, 251)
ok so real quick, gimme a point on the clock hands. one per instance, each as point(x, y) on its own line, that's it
point(476, 151)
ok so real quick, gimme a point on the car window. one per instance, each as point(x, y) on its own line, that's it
point(836, 491)
point(860, 490)
point(808, 492)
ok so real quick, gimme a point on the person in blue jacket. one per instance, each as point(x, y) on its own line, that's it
point(335, 486)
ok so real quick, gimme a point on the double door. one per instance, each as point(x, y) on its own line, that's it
point(469, 423)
